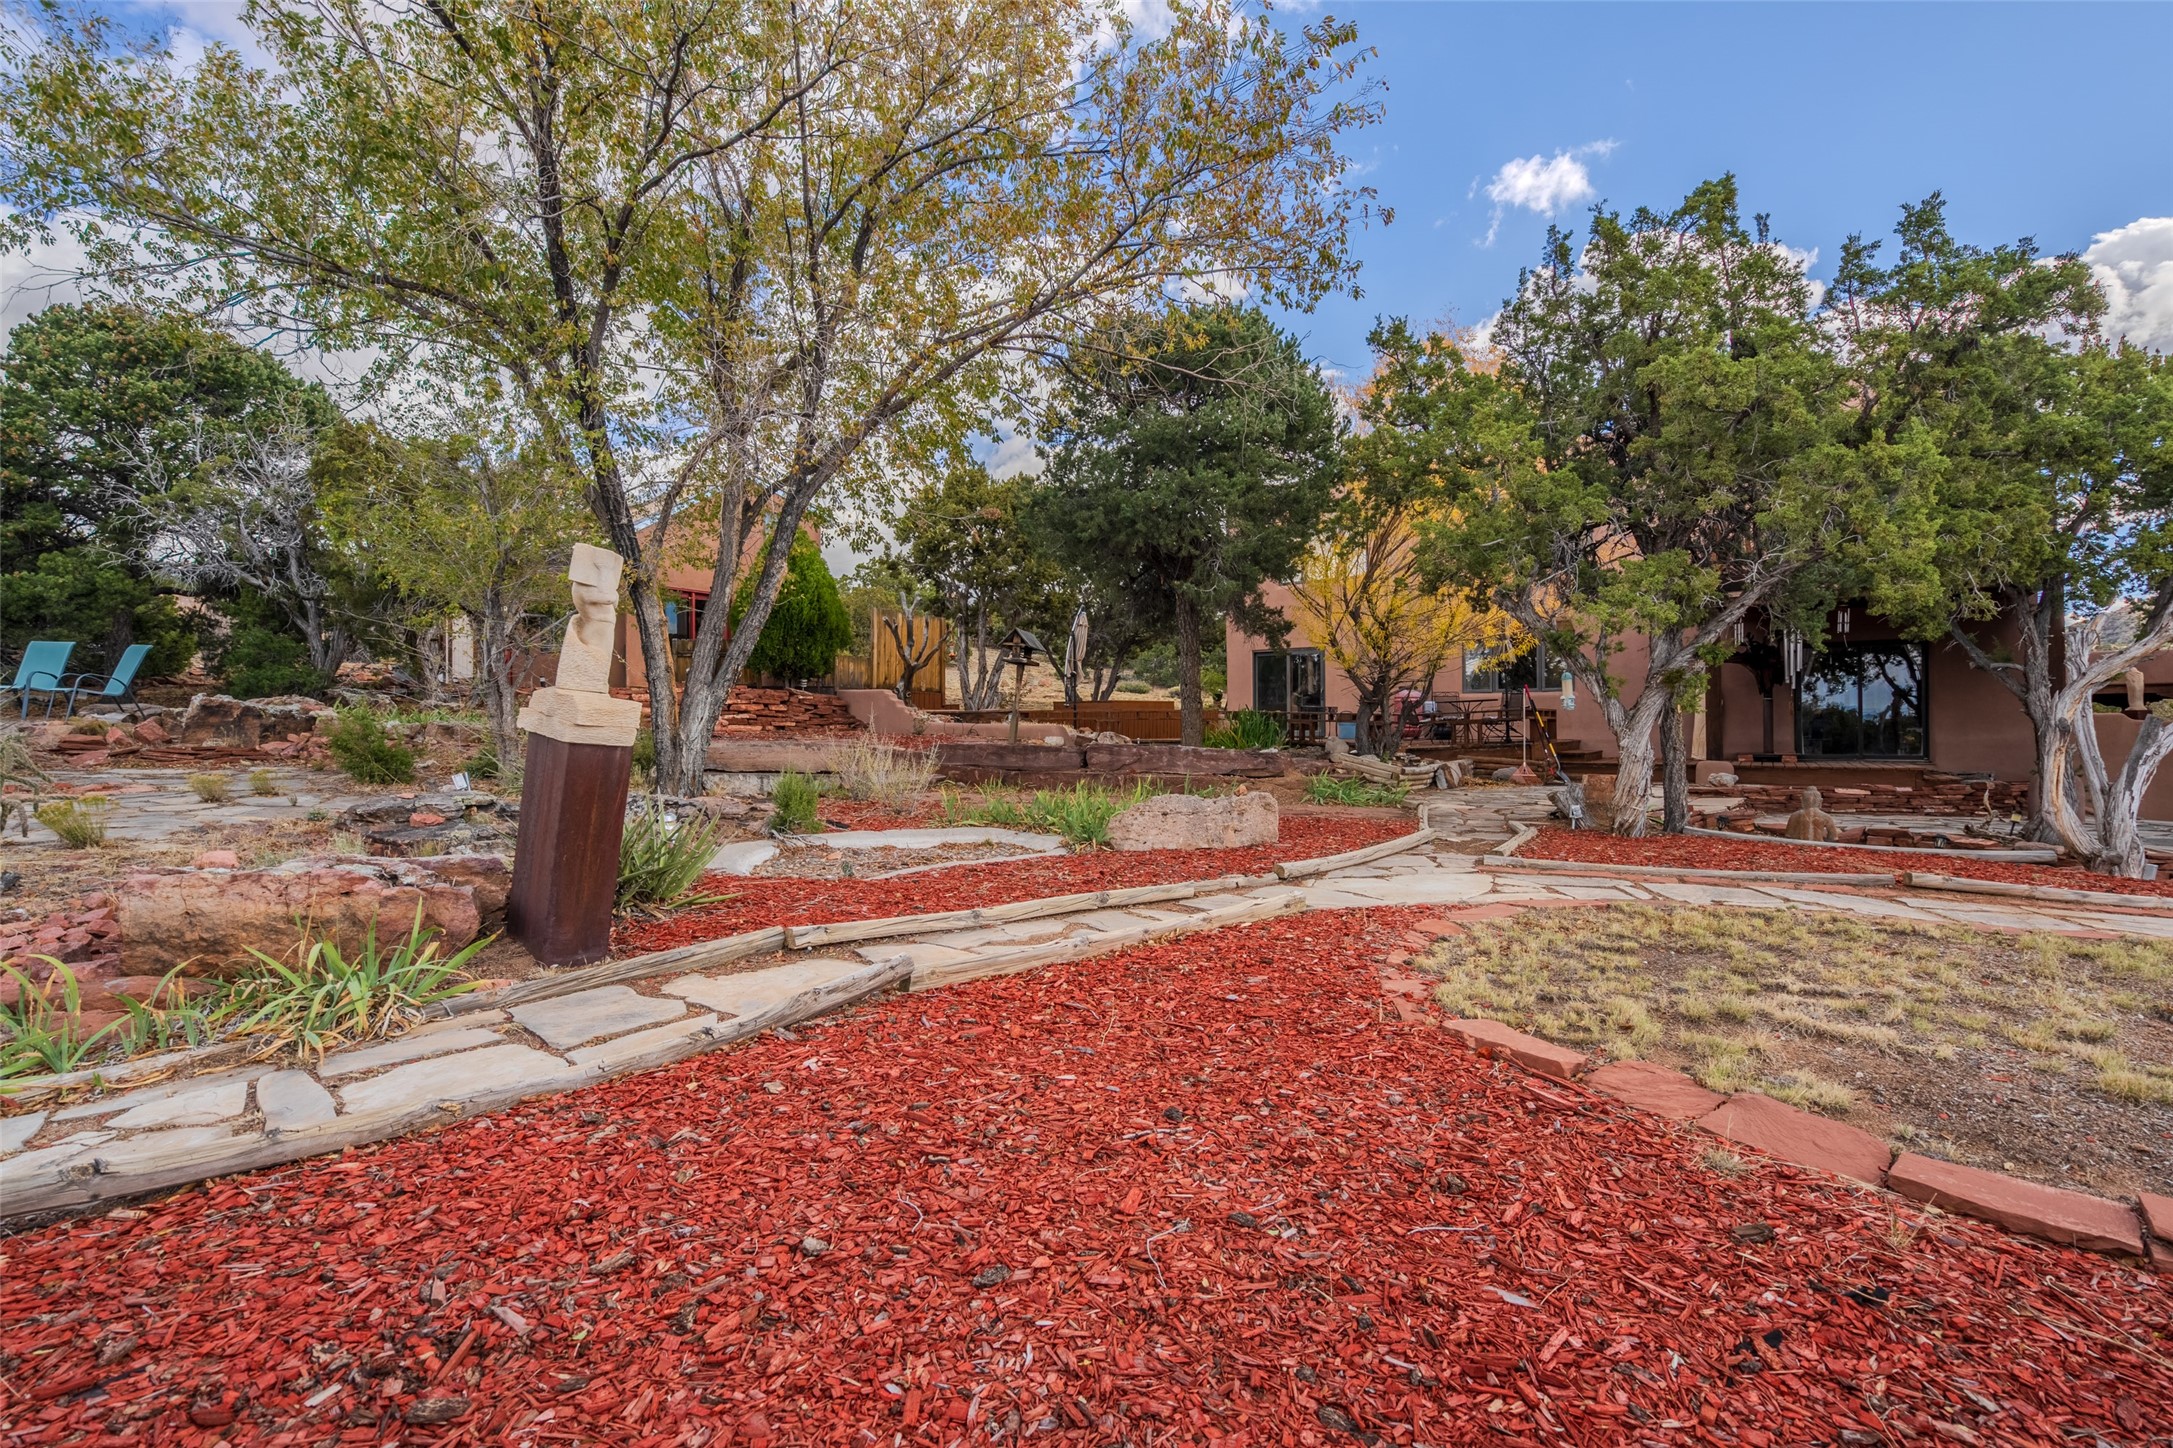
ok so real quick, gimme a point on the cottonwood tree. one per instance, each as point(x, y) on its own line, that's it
point(465, 525)
point(1193, 455)
point(726, 249)
point(2051, 451)
point(1656, 459)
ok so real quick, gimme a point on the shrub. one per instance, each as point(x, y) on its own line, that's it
point(644, 757)
point(211, 788)
point(792, 804)
point(261, 783)
point(1134, 686)
point(80, 823)
point(808, 627)
point(328, 998)
point(360, 747)
point(661, 858)
point(258, 662)
point(884, 773)
point(41, 1030)
point(1246, 729)
point(1327, 789)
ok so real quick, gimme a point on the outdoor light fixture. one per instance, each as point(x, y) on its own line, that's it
point(1841, 621)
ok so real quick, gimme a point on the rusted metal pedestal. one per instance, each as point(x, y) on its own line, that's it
point(566, 860)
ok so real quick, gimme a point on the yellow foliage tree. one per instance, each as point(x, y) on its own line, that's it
point(1359, 600)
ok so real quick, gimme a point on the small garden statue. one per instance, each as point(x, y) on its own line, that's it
point(573, 792)
point(1809, 822)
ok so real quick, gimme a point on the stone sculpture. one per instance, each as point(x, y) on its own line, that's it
point(578, 708)
point(573, 797)
point(1809, 822)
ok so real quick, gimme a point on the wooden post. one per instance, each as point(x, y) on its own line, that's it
point(566, 857)
point(573, 788)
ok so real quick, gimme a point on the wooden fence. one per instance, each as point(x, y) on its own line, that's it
point(886, 665)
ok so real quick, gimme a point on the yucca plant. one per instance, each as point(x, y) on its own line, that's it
point(329, 998)
point(42, 1030)
point(660, 858)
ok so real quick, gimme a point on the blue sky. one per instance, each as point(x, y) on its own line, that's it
point(2047, 120)
point(2035, 120)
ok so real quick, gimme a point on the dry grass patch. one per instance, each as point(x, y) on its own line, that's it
point(1853, 1017)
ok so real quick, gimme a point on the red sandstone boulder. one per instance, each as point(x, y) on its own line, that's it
point(210, 921)
point(222, 722)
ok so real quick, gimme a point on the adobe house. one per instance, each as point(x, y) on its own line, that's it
point(1870, 707)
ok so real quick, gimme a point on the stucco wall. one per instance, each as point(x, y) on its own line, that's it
point(1581, 726)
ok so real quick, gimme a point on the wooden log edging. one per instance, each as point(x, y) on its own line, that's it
point(80, 1183)
point(2011, 857)
point(2053, 894)
point(1301, 869)
point(1669, 872)
point(1011, 962)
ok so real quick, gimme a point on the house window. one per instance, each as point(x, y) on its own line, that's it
point(683, 614)
point(1863, 701)
point(1486, 673)
point(1289, 679)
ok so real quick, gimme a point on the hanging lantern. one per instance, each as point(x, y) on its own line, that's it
point(1739, 631)
point(1841, 621)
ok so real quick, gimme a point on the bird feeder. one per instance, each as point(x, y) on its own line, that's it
point(1019, 650)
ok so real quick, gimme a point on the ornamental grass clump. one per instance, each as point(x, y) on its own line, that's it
point(660, 857)
point(884, 774)
point(1327, 789)
point(327, 997)
point(80, 823)
point(1246, 729)
point(261, 783)
point(211, 788)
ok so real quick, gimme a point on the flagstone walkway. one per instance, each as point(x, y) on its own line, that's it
point(672, 1006)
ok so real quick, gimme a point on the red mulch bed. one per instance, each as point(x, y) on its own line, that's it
point(1195, 1191)
point(756, 903)
point(1702, 852)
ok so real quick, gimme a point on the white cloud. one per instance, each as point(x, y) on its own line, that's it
point(1543, 184)
point(2134, 264)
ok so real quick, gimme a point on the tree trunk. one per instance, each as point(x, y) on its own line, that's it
point(2119, 843)
point(494, 678)
point(1633, 730)
point(1191, 726)
point(1674, 772)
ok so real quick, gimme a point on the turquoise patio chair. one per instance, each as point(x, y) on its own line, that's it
point(119, 687)
point(40, 672)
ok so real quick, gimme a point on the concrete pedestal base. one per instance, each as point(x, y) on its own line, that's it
point(566, 861)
